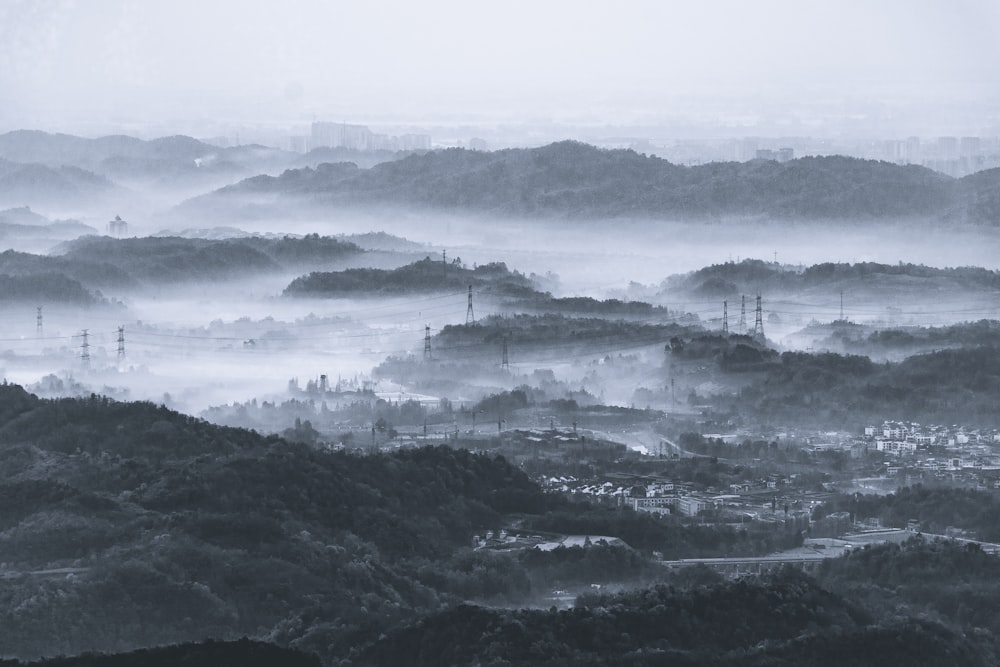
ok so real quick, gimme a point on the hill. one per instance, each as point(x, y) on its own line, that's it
point(574, 179)
point(830, 390)
point(426, 275)
point(33, 183)
point(176, 530)
point(786, 619)
point(752, 275)
point(101, 262)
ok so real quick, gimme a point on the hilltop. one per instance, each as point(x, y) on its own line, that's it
point(574, 179)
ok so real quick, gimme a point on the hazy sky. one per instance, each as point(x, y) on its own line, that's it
point(94, 64)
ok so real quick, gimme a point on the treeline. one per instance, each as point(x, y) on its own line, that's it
point(101, 262)
point(778, 620)
point(947, 386)
point(240, 653)
point(423, 276)
point(937, 509)
point(556, 332)
point(922, 603)
point(573, 179)
point(181, 259)
point(669, 535)
point(45, 288)
point(751, 275)
point(733, 352)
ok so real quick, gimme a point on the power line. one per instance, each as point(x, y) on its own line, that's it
point(85, 350)
point(758, 325)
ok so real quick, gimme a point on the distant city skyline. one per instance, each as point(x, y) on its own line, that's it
point(721, 68)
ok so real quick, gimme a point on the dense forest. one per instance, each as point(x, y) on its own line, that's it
point(751, 275)
point(101, 262)
point(127, 525)
point(826, 389)
point(777, 620)
point(574, 179)
point(426, 275)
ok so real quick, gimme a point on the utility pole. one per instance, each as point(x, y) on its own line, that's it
point(470, 317)
point(38, 322)
point(743, 314)
point(427, 342)
point(758, 325)
point(85, 350)
point(121, 342)
point(505, 362)
point(725, 318)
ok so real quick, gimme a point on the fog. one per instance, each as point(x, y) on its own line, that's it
point(113, 66)
point(193, 345)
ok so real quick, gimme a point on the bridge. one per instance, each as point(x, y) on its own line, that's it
point(815, 551)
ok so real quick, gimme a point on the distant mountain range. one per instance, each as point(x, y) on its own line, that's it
point(62, 185)
point(574, 179)
point(565, 179)
point(54, 164)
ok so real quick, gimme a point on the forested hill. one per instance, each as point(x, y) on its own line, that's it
point(570, 178)
point(177, 530)
point(101, 262)
point(426, 275)
point(750, 275)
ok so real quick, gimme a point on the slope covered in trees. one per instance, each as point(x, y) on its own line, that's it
point(426, 275)
point(785, 619)
point(947, 386)
point(574, 179)
point(751, 275)
point(101, 262)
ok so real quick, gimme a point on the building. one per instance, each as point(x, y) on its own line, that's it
point(657, 505)
point(360, 138)
point(117, 228)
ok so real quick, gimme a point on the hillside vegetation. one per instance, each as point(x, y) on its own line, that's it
point(575, 179)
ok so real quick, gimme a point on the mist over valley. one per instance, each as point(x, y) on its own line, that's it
point(442, 336)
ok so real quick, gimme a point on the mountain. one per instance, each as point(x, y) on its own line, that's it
point(34, 183)
point(424, 276)
point(167, 162)
point(574, 179)
point(23, 229)
point(128, 525)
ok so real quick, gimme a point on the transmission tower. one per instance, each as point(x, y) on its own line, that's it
point(38, 322)
point(427, 342)
point(725, 318)
point(444, 263)
point(121, 342)
point(743, 314)
point(758, 324)
point(505, 362)
point(85, 350)
point(841, 305)
point(470, 317)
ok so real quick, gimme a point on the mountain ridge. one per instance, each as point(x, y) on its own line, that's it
point(572, 179)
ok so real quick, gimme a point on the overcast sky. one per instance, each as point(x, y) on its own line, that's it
point(69, 65)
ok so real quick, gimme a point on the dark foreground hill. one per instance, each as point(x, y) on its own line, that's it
point(125, 526)
point(241, 653)
point(574, 179)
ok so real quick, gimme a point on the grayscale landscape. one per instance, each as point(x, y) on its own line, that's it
point(437, 334)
